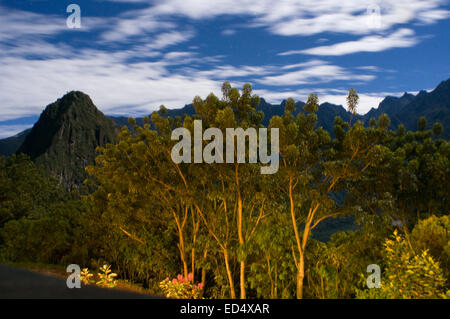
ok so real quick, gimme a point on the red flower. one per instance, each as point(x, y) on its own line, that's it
point(190, 277)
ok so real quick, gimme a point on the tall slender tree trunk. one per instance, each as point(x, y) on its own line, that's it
point(242, 280)
point(230, 277)
point(203, 273)
point(241, 244)
point(241, 237)
point(300, 276)
point(181, 246)
point(195, 227)
point(203, 276)
point(300, 262)
point(183, 255)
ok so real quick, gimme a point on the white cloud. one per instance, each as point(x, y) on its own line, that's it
point(317, 72)
point(164, 40)
point(119, 86)
point(228, 71)
point(372, 68)
point(307, 17)
point(16, 24)
point(400, 39)
point(303, 64)
point(228, 32)
point(11, 130)
point(114, 86)
point(286, 17)
point(334, 96)
point(430, 16)
point(123, 28)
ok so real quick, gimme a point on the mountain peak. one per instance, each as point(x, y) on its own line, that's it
point(406, 95)
point(75, 102)
point(66, 135)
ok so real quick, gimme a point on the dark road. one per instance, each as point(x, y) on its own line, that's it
point(20, 283)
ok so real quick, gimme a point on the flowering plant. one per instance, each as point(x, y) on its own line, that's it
point(181, 287)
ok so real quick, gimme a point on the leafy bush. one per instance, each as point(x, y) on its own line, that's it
point(86, 276)
point(106, 277)
point(407, 275)
point(433, 234)
point(181, 287)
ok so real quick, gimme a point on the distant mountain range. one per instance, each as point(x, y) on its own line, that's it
point(407, 109)
point(11, 144)
point(64, 138)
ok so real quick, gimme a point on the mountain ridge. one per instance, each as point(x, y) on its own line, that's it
point(406, 109)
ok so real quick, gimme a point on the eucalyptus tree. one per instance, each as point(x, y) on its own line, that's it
point(234, 205)
point(352, 103)
point(145, 189)
point(313, 167)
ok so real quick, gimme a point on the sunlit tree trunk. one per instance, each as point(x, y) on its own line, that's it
point(181, 246)
point(300, 276)
point(300, 262)
point(230, 277)
point(240, 236)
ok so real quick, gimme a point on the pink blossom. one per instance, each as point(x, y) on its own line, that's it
point(174, 281)
point(200, 285)
point(190, 277)
point(167, 279)
point(180, 277)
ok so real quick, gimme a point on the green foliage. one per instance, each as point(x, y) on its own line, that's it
point(335, 266)
point(407, 275)
point(433, 234)
point(106, 277)
point(384, 121)
point(54, 236)
point(86, 276)
point(437, 128)
point(290, 105)
point(272, 265)
point(312, 104)
point(352, 101)
point(422, 124)
point(19, 175)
